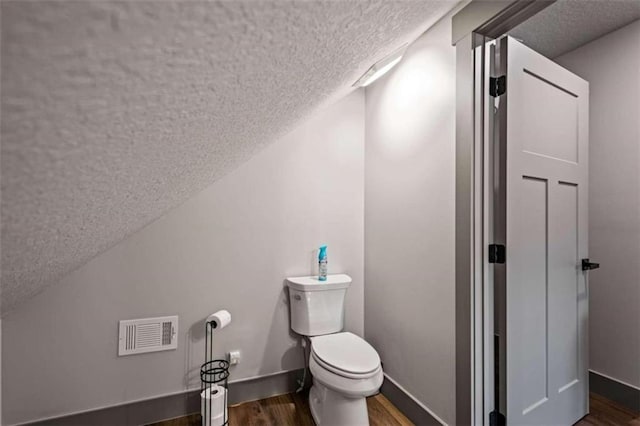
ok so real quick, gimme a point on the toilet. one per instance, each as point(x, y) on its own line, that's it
point(345, 368)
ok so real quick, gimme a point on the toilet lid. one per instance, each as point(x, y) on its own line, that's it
point(346, 352)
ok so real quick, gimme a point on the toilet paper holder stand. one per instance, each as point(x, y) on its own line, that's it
point(214, 381)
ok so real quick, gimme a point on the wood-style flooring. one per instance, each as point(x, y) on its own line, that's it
point(604, 412)
point(293, 410)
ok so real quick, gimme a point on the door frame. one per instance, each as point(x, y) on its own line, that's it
point(472, 27)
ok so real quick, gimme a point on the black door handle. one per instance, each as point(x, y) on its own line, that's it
point(587, 266)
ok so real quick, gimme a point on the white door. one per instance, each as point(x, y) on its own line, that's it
point(544, 117)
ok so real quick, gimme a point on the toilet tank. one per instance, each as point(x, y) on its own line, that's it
point(317, 307)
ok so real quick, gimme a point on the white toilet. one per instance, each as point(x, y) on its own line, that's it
point(345, 368)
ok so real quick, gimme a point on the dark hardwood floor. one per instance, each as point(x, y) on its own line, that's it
point(604, 412)
point(293, 409)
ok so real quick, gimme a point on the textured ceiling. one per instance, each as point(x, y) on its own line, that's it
point(568, 24)
point(114, 112)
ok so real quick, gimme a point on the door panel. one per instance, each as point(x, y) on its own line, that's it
point(532, 227)
point(565, 294)
point(560, 140)
point(543, 118)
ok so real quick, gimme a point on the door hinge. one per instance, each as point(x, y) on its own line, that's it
point(497, 253)
point(497, 86)
point(496, 418)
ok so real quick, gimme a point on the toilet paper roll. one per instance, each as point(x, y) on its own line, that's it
point(221, 319)
point(213, 405)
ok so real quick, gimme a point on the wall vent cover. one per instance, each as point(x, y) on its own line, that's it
point(147, 335)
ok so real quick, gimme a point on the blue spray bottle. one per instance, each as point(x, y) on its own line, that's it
point(322, 263)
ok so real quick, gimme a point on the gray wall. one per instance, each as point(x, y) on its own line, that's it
point(230, 247)
point(0, 371)
point(409, 221)
point(611, 64)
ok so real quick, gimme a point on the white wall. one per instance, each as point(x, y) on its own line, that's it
point(611, 64)
point(230, 247)
point(409, 221)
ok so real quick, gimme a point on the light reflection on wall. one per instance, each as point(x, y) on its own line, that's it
point(415, 99)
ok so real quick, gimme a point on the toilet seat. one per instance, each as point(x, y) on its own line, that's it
point(342, 373)
point(346, 355)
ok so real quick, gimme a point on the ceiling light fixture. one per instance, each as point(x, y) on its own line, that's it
point(380, 68)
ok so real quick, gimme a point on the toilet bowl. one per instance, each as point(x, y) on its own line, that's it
point(345, 370)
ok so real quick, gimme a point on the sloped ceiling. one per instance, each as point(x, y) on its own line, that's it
point(114, 112)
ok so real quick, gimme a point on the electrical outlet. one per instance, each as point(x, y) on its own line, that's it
point(234, 357)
